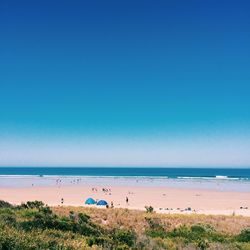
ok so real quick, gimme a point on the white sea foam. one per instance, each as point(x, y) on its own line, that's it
point(218, 177)
point(18, 176)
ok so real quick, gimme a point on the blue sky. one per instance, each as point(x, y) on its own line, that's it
point(157, 82)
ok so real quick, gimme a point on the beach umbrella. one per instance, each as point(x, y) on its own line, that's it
point(102, 203)
point(90, 201)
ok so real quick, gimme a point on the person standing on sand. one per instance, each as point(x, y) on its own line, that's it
point(126, 200)
point(62, 201)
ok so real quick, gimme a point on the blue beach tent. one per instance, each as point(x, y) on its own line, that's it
point(102, 203)
point(90, 201)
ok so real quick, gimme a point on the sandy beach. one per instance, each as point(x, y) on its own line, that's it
point(163, 200)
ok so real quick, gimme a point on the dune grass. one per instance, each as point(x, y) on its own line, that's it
point(36, 226)
point(135, 219)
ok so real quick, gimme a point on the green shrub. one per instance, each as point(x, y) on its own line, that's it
point(124, 236)
point(8, 219)
point(27, 213)
point(43, 218)
point(83, 218)
point(244, 236)
point(149, 209)
point(35, 226)
point(5, 204)
point(31, 204)
point(182, 231)
point(194, 232)
point(122, 247)
point(156, 229)
point(198, 229)
point(99, 241)
point(203, 244)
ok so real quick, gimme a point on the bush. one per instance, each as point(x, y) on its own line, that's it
point(149, 209)
point(83, 218)
point(198, 229)
point(194, 232)
point(35, 226)
point(31, 204)
point(203, 244)
point(125, 237)
point(100, 241)
point(122, 247)
point(182, 231)
point(5, 204)
point(156, 229)
point(8, 219)
point(45, 219)
point(244, 236)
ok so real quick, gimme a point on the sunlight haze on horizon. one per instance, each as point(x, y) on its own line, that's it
point(125, 83)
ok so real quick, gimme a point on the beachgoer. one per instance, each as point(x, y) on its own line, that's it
point(127, 200)
point(111, 204)
point(62, 201)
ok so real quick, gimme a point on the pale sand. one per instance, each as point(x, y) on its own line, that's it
point(202, 201)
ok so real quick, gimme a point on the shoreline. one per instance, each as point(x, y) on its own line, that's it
point(212, 184)
point(162, 199)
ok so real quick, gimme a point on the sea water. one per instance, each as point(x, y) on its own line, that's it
point(224, 179)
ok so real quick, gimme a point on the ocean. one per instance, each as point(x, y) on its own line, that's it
point(229, 173)
point(224, 179)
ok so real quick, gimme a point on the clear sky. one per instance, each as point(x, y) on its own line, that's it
point(159, 83)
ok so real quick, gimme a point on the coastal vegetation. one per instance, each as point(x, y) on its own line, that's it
point(34, 225)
